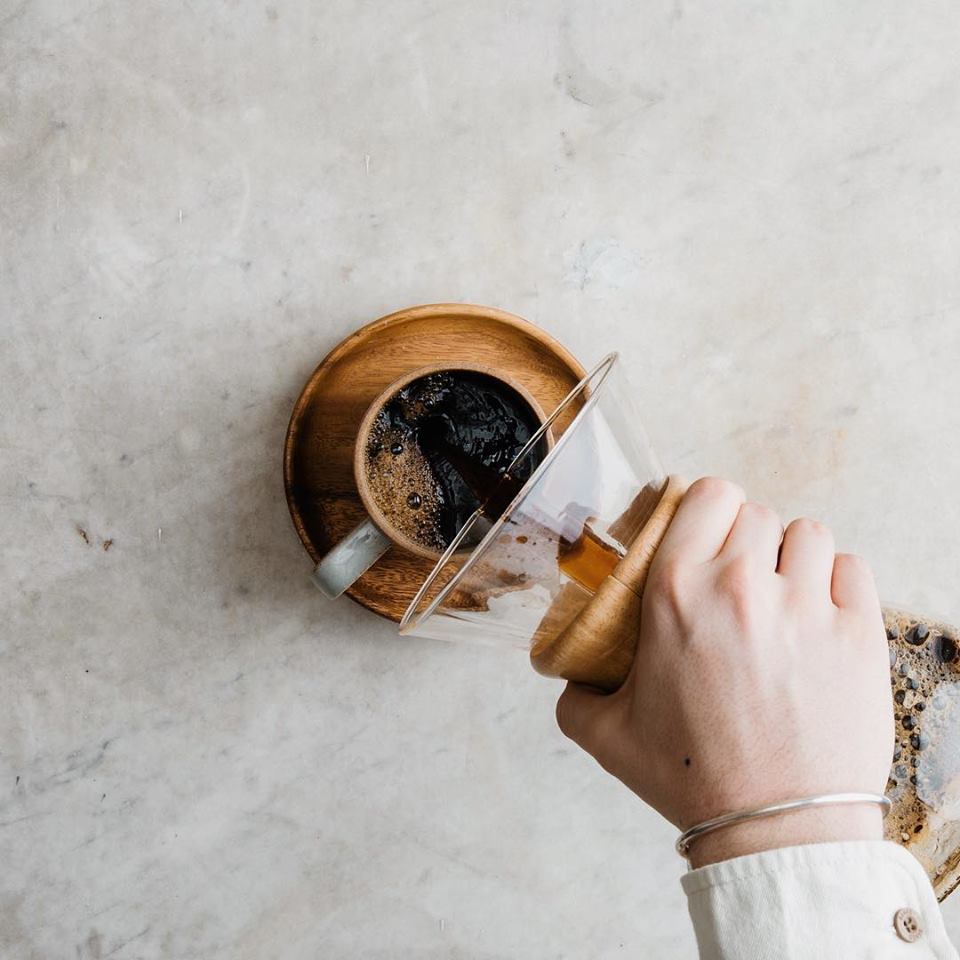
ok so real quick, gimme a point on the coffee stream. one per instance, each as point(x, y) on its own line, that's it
point(440, 449)
point(589, 559)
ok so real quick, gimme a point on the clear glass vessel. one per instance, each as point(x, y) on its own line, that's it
point(560, 535)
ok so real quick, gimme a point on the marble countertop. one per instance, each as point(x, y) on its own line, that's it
point(757, 204)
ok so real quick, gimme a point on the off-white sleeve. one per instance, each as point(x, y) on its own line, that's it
point(862, 899)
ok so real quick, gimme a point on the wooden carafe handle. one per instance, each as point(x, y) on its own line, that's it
point(598, 645)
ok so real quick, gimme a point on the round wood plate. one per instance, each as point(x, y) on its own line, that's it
point(318, 451)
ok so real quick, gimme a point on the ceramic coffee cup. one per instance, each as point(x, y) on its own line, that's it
point(381, 530)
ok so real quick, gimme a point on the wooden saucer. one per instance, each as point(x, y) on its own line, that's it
point(318, 451)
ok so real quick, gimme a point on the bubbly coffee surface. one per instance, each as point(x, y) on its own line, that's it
point(440, 448)
point(924, 782)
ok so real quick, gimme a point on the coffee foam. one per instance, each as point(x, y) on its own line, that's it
point(938, 774)
point(924, 783)
point(439, 448)
point(394, 478)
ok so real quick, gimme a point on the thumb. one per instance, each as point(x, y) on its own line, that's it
point(581, 714)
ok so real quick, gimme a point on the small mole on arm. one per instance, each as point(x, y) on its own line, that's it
point(686, 761)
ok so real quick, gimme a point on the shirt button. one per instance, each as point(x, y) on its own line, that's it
point(907, 924)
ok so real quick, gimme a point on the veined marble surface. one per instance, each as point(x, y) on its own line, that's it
point(757, 203)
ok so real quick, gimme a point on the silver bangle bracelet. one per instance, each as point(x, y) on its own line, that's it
point(742, 816)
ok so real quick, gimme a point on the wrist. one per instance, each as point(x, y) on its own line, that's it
point(812, 825)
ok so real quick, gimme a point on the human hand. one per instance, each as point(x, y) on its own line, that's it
point(761, 675)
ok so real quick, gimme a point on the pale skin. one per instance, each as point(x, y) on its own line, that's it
point(762, 675)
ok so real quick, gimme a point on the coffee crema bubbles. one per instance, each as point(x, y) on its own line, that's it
point(924, 780)
point(439, 449)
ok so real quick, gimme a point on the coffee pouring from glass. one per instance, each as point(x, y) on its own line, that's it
point(560, 573)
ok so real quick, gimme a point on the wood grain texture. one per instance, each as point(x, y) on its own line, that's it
point(598, 644)
point(319, 447)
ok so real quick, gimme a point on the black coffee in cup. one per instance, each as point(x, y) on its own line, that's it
point(440, 448)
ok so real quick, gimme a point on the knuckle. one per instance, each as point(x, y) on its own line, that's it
point(761, 513)
point(735, 579)
point(737, 584)
point(811, 528)
point(666, 582)
point(716, 488)
point(854, 562)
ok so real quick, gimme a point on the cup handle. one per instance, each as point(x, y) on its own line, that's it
point(352, 557)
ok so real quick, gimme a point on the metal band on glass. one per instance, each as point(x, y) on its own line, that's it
point(728, 819)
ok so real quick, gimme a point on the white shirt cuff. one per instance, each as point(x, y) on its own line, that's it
point(853, 900)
